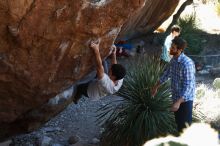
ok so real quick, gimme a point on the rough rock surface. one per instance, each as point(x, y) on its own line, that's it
point(147, 19)
point(43, 50)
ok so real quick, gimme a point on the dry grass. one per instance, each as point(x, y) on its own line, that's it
point(208, 102)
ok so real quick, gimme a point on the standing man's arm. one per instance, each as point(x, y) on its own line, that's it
point(99, 68)
point(167, 73)
point(163, 78)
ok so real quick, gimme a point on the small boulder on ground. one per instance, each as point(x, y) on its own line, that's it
point(73, 139)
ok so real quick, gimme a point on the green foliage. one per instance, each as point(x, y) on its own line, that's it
point(217, 7)
point(139, 116)
point(216, 83)
point(190, 32)
point(209, 1)
point(200, 93)
point(171, 143)
point(218, 93)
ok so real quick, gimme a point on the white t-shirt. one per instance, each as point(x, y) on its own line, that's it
point(168, 42)
point(166, 48)
point(100, 88)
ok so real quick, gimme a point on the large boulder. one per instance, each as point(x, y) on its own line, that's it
point(147, 19)
point(44, 50)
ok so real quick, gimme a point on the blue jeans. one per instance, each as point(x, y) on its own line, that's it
point(184, 115)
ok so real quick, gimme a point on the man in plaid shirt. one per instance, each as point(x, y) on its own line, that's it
point(181, 71)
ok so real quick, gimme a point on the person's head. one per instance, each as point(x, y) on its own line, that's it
point(117, 72)
point(175, 30)
point(177, 47)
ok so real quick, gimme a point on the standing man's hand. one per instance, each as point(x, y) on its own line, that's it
point(176, 105)
point(154, 89)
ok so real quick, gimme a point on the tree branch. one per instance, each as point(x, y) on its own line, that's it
point(178, 13)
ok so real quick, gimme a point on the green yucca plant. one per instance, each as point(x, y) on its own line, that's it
point(138, 116)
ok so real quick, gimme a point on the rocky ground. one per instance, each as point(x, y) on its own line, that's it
point(76, 124)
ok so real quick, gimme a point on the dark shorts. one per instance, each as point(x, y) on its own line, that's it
point(82, 89)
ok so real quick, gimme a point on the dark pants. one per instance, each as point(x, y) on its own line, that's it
point(184, 115)
point(80, 90)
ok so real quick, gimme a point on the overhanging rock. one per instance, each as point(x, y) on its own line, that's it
point(44, 50)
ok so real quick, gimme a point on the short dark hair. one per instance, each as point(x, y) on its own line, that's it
point(175, 28)
point(118, 71)
point(179, 42)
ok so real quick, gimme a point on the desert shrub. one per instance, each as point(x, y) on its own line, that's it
point(206, 105)
point(216, 83)
point(190, 32)
point(139, 116)
point(218, 93)
point(209, 1)
point(200, 91)
point(217, 7)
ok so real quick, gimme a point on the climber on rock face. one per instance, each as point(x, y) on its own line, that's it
point(104, 83)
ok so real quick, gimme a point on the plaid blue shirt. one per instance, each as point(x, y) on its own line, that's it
point(181, 71)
